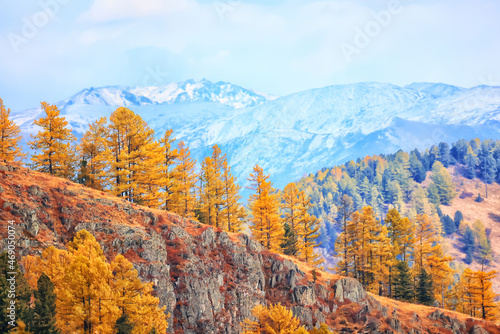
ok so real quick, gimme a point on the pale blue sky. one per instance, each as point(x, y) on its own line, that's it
point(277, 47)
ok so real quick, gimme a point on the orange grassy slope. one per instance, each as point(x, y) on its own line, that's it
point(208, 279)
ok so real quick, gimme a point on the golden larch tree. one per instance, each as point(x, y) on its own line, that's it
point(344, 242)
point(10, 148)
point(272, 320)
point(134, 298)
point(308, 232)
point(129, 139)
point(168, 181)
point(53, 144)
point(211, 192)
point(400, 231)
point(264, 206)
point(183, 198)
point(233, 213)
point(150, 177)
point(94, 155)
point(93, 294)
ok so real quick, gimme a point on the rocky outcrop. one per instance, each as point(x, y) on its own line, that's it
point(209, 279)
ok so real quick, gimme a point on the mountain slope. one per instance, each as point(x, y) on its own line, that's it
point(208, 279)
point(310, 129)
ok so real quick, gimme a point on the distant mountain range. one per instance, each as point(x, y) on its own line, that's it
point(296, 134)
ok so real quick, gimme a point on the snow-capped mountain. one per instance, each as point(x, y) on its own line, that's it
point(188, 91)
point(300, 133)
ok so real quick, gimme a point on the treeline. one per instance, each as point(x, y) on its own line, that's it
point(122, 156)
point(403, 258)
point(395, 180)
point(77, 290)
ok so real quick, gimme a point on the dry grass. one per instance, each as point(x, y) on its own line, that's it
point(487, 211)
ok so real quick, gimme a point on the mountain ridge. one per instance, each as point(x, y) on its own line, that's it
point(313, 129)
point(208, 279)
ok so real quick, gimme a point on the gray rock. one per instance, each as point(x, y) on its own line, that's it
point(350, 289)
point(476, 329)
point(304, 295)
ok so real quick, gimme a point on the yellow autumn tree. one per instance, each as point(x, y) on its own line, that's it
point(94, 155)
point(441, 274)
point(53, 144)
point(308, 232)
point(92, 294)
point(233, 213)
point(130, 142)
point(479, 294)
point(264, 206)
point(344, 242)
point(150, 176)
point(183, 199)
point(273, 319)
point(400, 231)
point(429, 255)
point(381, 260)
point(211, 192)
point(10, 148)
point(134, 298)
point(425, 237)
point(295, 207)
point(291, 207)
point(168, 181)
point(362, 224)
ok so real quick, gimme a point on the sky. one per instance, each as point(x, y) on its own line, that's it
point(51, 49)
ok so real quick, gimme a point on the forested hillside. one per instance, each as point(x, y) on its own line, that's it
point(383, 215)
point(413, 183)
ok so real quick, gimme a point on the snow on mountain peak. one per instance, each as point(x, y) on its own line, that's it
point(188, 91)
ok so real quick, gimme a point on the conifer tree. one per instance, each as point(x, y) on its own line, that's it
point(44, 314)
point(441, 274)
point(291, 207)
point(272, 319)
point(94, 155)
point(23, 292)
point(401, 231)
point(344, 241)
point(125, 284)
point(93, 294)
point(266, 225)
point(129, 141)
point(369, 240)
point(448, 224)
point(53, 144)
point(233, 213)
point(403, 285)
point(424, 240)
point(482, 243)
point(168, 181)
point(212, 188)
point(458, 218)
point(469, 245)
point(289, 244)
point(183, 200)
point(308, 232)
point(150, 176)
point(442, 179)
point(123, 325)
point(486, 296)
point(10, 148)
point(86, 302)
point(470, 164)
point(424, 291)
